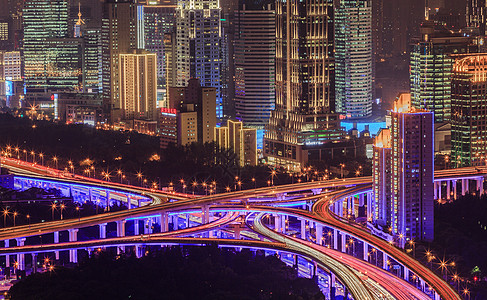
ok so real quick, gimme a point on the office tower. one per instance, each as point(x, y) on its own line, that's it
point(409, 210)
point(10, 66)
point(119, 35)
point(431, 66)
point(171, 67)
point(469, 110)
point(64, 59)
point(138, 85)
point(92, 63)
point(353, 56)
point(199, 45)
point(159, 19)
point(242, 141)
point(5, 33)
point(198, 99)
point(168, 127)
point(381, 177)
point(254, 52)
point(305, 88)
point(476, 15)
point(15, 8)
point(42, 20)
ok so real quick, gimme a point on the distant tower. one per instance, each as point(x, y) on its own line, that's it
point(79, 23)
point(353, 56)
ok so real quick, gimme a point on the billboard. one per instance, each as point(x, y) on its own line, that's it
point(9, 88)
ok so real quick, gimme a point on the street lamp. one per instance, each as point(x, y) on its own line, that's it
point(54, 158)
point(119, 172)
point(28, 219)
point(5, 213)
point(341, 169)
point(62, 206)
point(53, 207)
point(253, 180)
point(42, 158)
point(79, 217)
point(25, 152)
point(33, 156)
point(15, 215)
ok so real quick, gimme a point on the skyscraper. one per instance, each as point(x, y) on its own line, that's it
point(404, 173)
point(199, 45)
point(42, 20)
point(119, 35)
point(305, 88)
point(477, 15)
point(159, 19)
point(469, 110)
point(431, 67)
point(353, 44)
point(138, 85)
point(255, 50)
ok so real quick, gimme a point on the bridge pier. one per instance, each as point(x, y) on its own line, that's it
point(187, 220)
point(21, 256)
point(164, 222)
point(277, 222)
point(464, 186)
point(335, 239)
point(435, 187)
point(455, 190)
point(175, 222)
point(480, 185)
point(384, 261)
point(34, 262)
point(56, 241)
point(319, 234)
point(7, 257)
point(448, 192)
point(73, 253)
point(332, 286)
point(439, 190)
point(136, 227)
point(343, 238)
point(205, 216)
point(303, 229)
point(139, 251)
point(103, 230)
point(365, 251)
point(406, 274)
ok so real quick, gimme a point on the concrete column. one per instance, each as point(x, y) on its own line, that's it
point(121, 228)
point(437, 296)
point(187, 220)
point(332, 285)
point(56, 240)
point(136, 227)
point(335, 239)
point(315, 270)
point(7, 257)
point(175, 222)
point(319, 234)
point(284, 221)
point(277, 223)
point(147, 226)
point(448, 192)
point(439, 189)
point(103, 230)
point(352, 205)
point(205, 216)
point(464, 186)
point(455, 189)
point(361, 200)
point(423, 285)
point(370, 212)
point(34, 262)
point(384, 261)
point(139, 251)
point(165, 222)
point(480, 185)
point(303, 229)
point(21, 256)
point(365, 250)
point(129, 202)
point(73, 253)
point(406, 274)
point(343, 237)
point(435, 186)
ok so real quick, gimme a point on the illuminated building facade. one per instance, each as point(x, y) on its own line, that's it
point(119, 35)
point(431, 67)
point(92, 63)
point(168, 127)
point(254, 49)
point(469, 110)
point(477, 15)
point(305, 88)
point(381, 176)
point(159, 19)
point(200, 45)
point(406, 203)
point(353, 56)
point(138, 85)
point(201, 101)
point(43, 20)
point(243, 141)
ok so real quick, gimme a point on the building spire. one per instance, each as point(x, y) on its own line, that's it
point(79, 23)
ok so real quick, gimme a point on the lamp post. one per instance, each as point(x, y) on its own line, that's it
point(42, 159)
point(55, 161)
point(15, 215)
point(5, 213)
point(53, 207)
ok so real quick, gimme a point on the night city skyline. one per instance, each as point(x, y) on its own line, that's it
point(318, 149)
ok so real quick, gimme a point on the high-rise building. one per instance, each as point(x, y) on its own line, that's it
point(198, 99)
point(243, 141)
point(353, 56)
point(469, 110)
point(407, 203)
point(119, 35)
point(305, 87)
point(10, 66)
point(431, 66)
point(92, 63)
point(200, 45)
point(64, 62)
point(42, 20)
point(168, 127)
point(138, 85)
point(477, 15)
point(381, 177)
point(254, 52)
point(159, 19)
